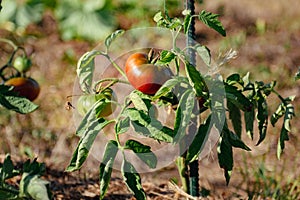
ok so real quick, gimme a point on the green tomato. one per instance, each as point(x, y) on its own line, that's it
point(86, 102)
point(22, 64)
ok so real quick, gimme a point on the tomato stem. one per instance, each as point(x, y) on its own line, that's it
point(116, 66)
point(112, 81)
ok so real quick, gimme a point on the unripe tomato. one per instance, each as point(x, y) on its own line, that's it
point(24, 87)
point(144, 76)
point(86, 102)
point(22, 64)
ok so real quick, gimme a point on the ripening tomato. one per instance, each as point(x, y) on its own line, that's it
point(144, 76)
point(24, 87)
point(86, 102)
point(22, 64)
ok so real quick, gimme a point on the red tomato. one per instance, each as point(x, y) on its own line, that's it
point(24, 87)
point(144, 76)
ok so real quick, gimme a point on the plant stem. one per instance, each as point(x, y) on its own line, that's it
point(116, 66)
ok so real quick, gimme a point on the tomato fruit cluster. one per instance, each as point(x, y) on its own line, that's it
point(25, 87)
point(145, 76)
point(86, 102)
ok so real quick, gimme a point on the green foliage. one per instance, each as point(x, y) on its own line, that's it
point(31, 185)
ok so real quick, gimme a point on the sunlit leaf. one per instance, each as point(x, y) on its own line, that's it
point(143, 152)
point(187, 22)
point(133, 180)
point(262, 117)
point(211, 20)
point(109, 39)
point(166, 57)
point(122, 125)
point(17, 104)
point(195, 78)
point(106, 166)
point(204, 53)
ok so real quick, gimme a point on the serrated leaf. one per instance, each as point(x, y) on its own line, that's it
point(196, 80)
point(211, 20)
point(143, 152)
point(148, 126)
point(199, 140)
point(85, 70)
point(133, 180)
point(166, 57)
point(88, 135)
point(183, 114)
point(249, 117)
point(17, 104)
point(262, 117)
point(138, 102)
point(204, 53)
point(109, 39)
point(106, 166)
point(288, 115)
point(225, 157)
point(235, 117)
point(187, 22)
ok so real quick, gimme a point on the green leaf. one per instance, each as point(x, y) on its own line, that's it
point(139, 102)
point(109, 39)
point(133, 180)
point(88, 135)
point(122, 125)
point(204, 53)
point(106, 166)
point(187, 22)
point(198, 142)
point(235, 117)
point(169, 85)
point(85, 70)
point(280, 111)
point(249, 120)
point(236, 97)
point(288, 115)
point(225, 157)
point(262, 116)
point(211, 20)
point(143, 152)
point(6, 171)
point(148, 126)
point(16, 103)
point(183, 114)
point(235, 78)
point(235, 140)
point(195, 79)
point(166, 57)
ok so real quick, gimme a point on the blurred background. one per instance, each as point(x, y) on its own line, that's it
point(56, 33)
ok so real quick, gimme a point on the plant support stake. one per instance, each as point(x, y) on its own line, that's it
point(194, 166)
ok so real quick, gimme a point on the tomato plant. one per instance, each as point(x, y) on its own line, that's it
point(145, 76)
point(172, 80)
point(86, 102)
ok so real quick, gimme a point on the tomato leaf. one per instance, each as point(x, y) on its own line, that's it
point(6, 171)
point(166, 58)
point(17, 104)
point(148, 126)
point(187, 22)
point(249, 120)
point(122, 125)
point(143, 152)
point(236, 97)
point(109, 39)
point(297, 76)
point(195, 79)
point(183, 114)
point(198, 142)
point(235, 117)
point(288, 115)
point(233, 79)
point(169, 85)
point(262, 116)
point(204, 53)
point(85, 70)
point(133, 180)
point(211, 20)
point(106, 165)
point(225, 157)
point(139, 102)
